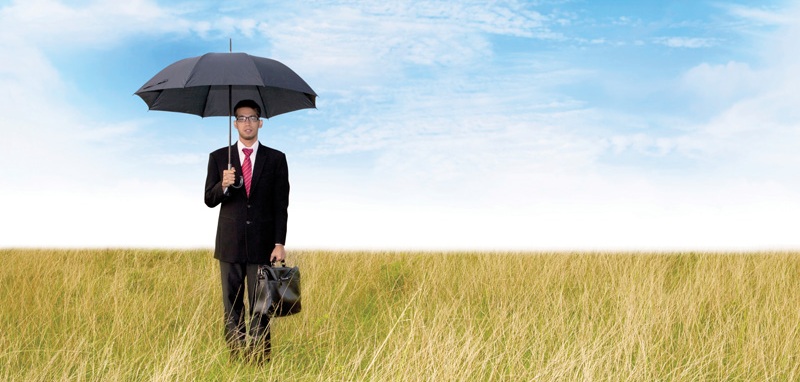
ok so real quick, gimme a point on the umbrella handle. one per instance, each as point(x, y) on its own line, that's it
point(239, 180)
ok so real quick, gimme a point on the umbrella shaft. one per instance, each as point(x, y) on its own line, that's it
point(230, 143)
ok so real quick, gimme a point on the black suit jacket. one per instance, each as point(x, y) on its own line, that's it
point(249, 228)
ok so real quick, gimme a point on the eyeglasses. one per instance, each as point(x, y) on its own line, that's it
point(251, 118)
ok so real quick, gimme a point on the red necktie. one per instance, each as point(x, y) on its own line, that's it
point(247, 169)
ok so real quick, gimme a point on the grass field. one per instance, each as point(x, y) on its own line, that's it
point(155, 315)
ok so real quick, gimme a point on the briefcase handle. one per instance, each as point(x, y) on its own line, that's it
point(269, 269)
point(265, 268)
point(283, 263)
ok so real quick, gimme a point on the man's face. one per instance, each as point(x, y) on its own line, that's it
point(248, 130)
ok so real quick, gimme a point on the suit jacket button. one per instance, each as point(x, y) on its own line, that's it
point(248, 222)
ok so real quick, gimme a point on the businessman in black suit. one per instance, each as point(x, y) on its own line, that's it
point(251, 229)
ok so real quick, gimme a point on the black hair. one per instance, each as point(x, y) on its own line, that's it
point(247, 103)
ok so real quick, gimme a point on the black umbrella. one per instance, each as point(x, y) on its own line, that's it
point(209, 85)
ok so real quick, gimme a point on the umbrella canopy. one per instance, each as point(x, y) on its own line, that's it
point(209, 85)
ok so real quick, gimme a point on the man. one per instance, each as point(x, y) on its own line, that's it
point(251, 229)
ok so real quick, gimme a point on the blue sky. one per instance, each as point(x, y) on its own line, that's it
point(507, 125)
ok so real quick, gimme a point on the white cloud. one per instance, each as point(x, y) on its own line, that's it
point(71, 137)
point(37, 100)
point(457, 158)
point(100, 23)
point(369, 42)
point(66, 170)
point(722, 83)
point(470, 165)
point(51, 22)
point(181, 159)
point(761, 15)
point(686, 42)
point(557, 211)
point(761, 122)
point(130, 214)
point(392, 43)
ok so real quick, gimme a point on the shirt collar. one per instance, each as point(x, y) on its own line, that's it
point(240, 146)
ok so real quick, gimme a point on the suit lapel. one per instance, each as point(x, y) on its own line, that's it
point(235, 160)
point(261, 159)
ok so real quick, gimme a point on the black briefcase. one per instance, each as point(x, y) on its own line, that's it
point(277, 290)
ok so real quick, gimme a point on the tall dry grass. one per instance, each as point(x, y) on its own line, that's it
point(139, 315)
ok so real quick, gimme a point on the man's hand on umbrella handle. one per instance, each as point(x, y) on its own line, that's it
point(228, 177)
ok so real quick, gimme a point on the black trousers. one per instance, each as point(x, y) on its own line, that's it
point(234, 277)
